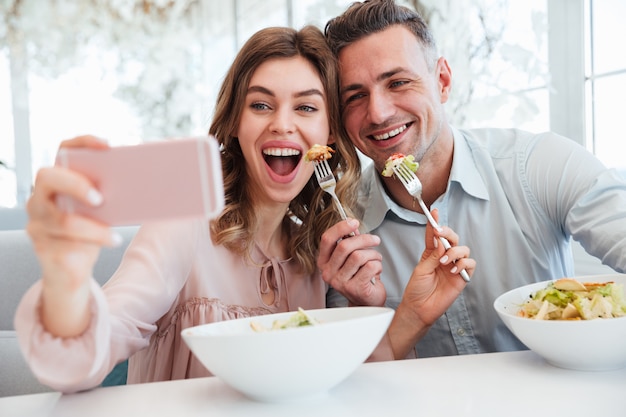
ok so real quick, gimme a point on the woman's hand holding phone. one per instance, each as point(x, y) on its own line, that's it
point(93, 187)
point(67, 245)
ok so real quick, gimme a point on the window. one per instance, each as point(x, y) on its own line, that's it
point(588, 72)
point(605, 80)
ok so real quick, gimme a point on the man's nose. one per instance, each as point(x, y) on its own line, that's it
point(380, 108)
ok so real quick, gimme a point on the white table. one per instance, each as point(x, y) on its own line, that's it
point(495, 384)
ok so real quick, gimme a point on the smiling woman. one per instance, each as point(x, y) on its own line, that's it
point(285, 97)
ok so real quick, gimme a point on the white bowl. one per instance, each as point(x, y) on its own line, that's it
point(291, 363)
point(587, 345)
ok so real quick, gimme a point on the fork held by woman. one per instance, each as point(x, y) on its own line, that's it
point(327, 181)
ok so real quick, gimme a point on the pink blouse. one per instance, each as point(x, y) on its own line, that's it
point(171, 277)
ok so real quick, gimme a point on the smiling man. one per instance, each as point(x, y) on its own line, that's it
point(514, 198)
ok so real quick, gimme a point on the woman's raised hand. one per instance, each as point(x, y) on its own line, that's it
point(67, 245)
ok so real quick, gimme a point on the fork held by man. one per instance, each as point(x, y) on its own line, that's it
point(414, 187)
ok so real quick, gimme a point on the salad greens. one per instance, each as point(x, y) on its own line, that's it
point(568, 299)
point(397, 159)
point(298, 319)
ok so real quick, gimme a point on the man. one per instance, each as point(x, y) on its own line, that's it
point(514, 198)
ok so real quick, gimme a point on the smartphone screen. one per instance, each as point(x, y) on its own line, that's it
point(168, 179)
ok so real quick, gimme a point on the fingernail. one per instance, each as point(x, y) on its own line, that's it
point(454, 269)
point(353, 222)
point(436, 242)
point(94, 197)
point(116, 239)
point(444, 259)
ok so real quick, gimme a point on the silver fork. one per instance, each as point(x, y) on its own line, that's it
point(414, 186)
point(327, 181)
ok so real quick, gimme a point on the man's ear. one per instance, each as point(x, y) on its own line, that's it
point(444, 78)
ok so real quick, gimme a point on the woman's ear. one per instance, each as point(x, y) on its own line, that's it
point(331, 139)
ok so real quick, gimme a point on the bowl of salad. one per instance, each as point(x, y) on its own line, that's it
point(289, 356)
point(574, 323)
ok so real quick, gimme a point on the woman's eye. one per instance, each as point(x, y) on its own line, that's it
point(259, 106)
point(307, 109)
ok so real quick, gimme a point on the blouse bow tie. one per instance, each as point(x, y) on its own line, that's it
point(273, 279)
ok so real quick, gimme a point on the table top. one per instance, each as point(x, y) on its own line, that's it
point(491, 384)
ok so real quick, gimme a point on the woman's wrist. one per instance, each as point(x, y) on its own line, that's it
point(405, 330)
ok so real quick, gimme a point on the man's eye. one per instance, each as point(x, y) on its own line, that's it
point(352, 98)
point(398, 83)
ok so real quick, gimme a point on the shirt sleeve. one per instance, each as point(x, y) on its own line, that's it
point(581, 196)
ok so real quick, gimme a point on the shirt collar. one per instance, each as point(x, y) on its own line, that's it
point(464, 170)
point(375, 203)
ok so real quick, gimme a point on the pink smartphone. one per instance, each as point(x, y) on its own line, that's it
point(169, 179)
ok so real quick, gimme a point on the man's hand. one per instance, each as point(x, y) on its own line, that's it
point(434, 285)
point(348, 264)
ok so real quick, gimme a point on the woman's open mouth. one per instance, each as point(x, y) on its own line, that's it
point(282, 160)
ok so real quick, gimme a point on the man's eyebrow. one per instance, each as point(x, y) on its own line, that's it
point(381, 77)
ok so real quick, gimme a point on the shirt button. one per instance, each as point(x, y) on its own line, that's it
point(461, 332)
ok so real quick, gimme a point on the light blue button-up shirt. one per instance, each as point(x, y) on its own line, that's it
point(515, 198)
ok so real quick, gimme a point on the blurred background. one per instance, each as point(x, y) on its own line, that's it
point(138, 70)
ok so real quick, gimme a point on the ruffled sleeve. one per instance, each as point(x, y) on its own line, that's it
point(65, 364)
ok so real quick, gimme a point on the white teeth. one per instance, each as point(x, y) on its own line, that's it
point(390, 134)
point(281, 152)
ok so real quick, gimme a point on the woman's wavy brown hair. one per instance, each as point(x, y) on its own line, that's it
point(312, 209)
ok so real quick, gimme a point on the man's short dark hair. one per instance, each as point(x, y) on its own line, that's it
point(370, 16)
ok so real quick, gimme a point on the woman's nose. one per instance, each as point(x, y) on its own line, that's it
point(283, 122)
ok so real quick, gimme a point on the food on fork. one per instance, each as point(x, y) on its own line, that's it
point(298, 319)
point(568, 299)
point(398, 159)
point(319, 153)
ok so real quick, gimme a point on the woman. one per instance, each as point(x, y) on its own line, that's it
point(258, 256)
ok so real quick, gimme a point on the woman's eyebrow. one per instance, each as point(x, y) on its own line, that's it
point(259, 89)
point(305, 93)
point(309, 92)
